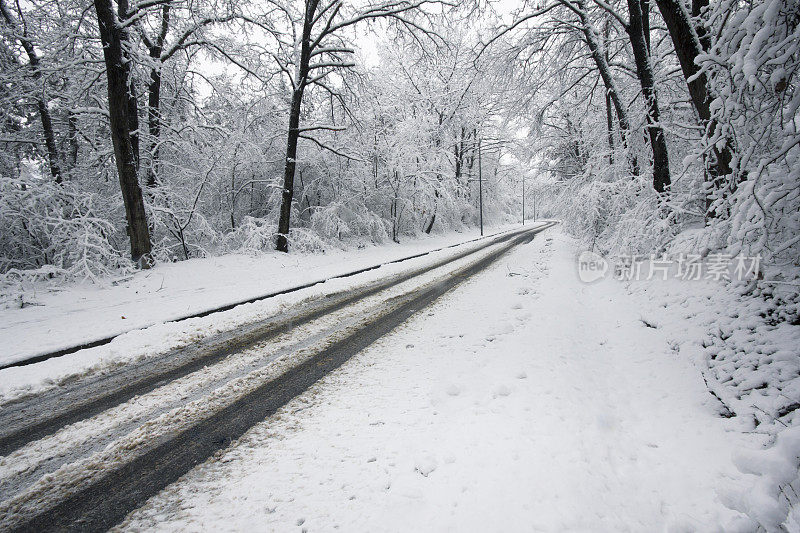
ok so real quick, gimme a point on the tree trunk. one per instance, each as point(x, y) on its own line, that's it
point(644, 71)
point(429, 227)
point(72, 128)
point(593, 41)
point(154, 124)
point(645, 5)
point(610, 126)
point(609, 111)
point(133, 122)
point(133, 105)
point(49, 140)
point(282, 242)
point(154, 97)
point(458, 149)
point(41, 104)
point(688, 45)
point(118, 74)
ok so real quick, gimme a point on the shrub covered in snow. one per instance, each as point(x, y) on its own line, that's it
point(52, 230)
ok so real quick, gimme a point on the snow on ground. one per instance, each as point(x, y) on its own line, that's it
point(40, 473)
point(524, 399)
point(57, 317)
point(745, 339)
point(158, 339)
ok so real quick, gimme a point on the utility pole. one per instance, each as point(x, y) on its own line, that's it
point(480, 184)
point(523, 198)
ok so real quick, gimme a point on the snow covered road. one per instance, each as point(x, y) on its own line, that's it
point(137, 446)
point(523, 400)
point(172, 291)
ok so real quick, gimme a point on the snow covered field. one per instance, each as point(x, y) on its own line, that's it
point(52, 318)
point(524, 399)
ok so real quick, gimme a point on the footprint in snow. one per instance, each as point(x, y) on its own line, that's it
point(501, 390)
point(505, 329)
point(606, 421)
point(523, 317)
point(453, 390)
point(425, 466)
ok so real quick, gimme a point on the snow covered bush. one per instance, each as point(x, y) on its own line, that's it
point(344, 221)
point(256, 236)
point(615, 216)
point(253, 236)
point(56, 230)
point(753, 69)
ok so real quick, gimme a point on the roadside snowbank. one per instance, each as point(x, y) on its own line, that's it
point(744, 338)
point(522, 400)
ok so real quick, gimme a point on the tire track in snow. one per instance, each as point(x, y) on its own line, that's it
point(97, 491)
point(30, 418)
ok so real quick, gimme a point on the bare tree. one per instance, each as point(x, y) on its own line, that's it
point(121, 109)
point(159, 53)
point(53, 158)
point(637, 26)
point(598, 51)
point(319, 50)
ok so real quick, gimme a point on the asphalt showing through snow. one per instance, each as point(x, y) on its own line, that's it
point(31, 418)
point(103, 502)
point(227, 307)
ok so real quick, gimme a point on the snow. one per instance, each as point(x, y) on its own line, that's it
point(36, 476)
point(59, 317)
point(524, 399)
point(191, 291)
point(153, 341)
point(741, 336)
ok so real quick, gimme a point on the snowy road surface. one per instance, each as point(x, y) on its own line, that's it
point(174, 290)
point(86, 470)
point(522, 400)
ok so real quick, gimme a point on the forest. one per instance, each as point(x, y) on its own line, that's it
point(400, 265)
point(139, 132)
